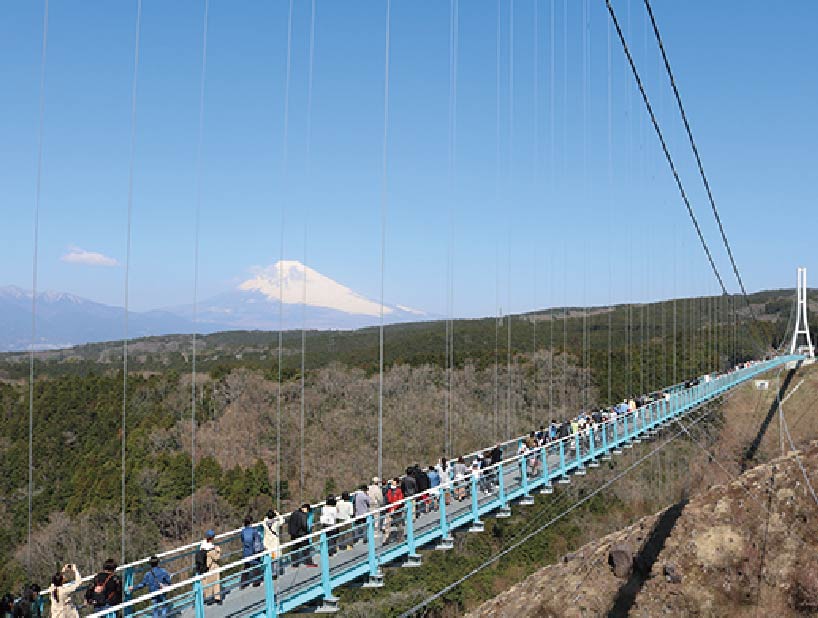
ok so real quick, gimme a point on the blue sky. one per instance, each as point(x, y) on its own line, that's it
point(537, 215)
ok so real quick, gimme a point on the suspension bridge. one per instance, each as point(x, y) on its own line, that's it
point(307, 572)
point(285, 583)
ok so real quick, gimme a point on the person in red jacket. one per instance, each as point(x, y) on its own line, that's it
point(394, 512)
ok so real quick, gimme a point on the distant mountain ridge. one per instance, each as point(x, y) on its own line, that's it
point(64, 320)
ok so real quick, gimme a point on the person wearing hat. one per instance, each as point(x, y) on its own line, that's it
point(212, 584)
point(375, 493)
point(376, 499)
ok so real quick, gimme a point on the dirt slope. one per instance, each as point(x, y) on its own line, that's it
point(737, 549)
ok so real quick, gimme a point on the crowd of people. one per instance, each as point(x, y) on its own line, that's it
point(340, 516)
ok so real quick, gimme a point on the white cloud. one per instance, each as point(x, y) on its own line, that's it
point(76, 255)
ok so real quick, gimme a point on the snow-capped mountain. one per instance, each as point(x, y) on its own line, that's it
point(256, 303)
point(64, 320)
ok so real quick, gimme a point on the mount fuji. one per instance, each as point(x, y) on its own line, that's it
point(301, 295)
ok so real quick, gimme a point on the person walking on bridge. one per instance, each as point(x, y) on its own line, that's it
point(375, 493)
point(62, 605)
point(408, 484)
point(105, 589)
point(345, 509)
point(155, 580)
point(444, 471)
point(422, 482)
point(299, 527)
point(361, 506)
point(328, 519)
point(207, 560)
point(376, 499)
point(272, 539)
point(251, 544)
point(393, 495)
point(434, 482)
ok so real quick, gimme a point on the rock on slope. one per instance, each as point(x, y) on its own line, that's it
point(735, 550)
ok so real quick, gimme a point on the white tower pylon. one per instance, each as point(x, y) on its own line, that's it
point(801, 323)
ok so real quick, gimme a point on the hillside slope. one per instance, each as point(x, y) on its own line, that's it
point(734, 550)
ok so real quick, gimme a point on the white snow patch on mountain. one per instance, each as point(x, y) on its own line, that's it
point(285, 280)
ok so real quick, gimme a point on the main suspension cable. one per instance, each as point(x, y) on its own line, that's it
point(661, 137)
point(696, 155)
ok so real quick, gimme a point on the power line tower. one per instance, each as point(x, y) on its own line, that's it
point(801, 322)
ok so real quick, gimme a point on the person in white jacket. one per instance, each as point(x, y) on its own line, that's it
point(329, 517)
point(375, 494)
point(376, 499)
point(272, 539)
point(62, 605)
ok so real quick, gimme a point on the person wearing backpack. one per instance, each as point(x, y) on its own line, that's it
point(106, 588)
point(207, 560)
point(155, 580)
point(62, 605)
point(251, 545)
